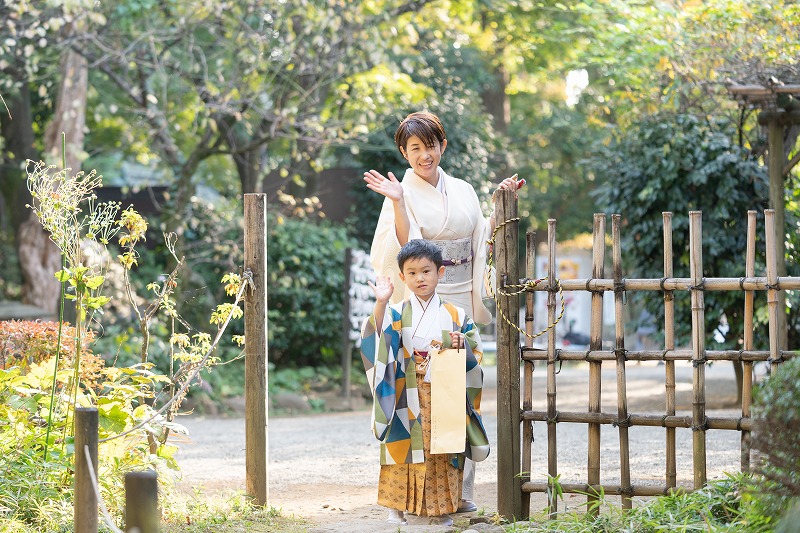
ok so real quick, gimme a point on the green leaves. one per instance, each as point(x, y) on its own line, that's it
point(680, 163)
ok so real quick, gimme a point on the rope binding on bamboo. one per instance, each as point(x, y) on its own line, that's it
point(528, 286)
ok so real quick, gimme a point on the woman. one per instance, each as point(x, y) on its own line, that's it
point(430, 204)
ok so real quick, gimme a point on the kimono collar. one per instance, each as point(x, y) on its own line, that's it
point(419, 307)
point(412, 179)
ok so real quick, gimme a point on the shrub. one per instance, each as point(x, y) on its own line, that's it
point(305, 300)
point(24, 343)
point(777, 404)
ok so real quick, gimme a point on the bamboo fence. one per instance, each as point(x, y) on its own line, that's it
point(595, 355)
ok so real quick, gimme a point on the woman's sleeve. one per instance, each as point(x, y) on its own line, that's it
point(480, 236)
point(385, 247)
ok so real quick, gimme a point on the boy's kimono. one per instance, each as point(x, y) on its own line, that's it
point(450, 215)
point(391, 372)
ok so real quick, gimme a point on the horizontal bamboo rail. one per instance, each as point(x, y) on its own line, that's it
point(538, 354)
point(665, 421)
point(615, 490)
point(756, 283)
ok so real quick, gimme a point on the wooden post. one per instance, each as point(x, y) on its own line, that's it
point(347, 345)
point(255, 331)
point(528, 368)
point(747, 373)
point(669, 344)
point(774, 311)
point(509, 485)
point(552, 450)
point(619, 344)
point(776, 160)
point(141, 502)
point(85, 513)
point(595, 367)
point(698, 348)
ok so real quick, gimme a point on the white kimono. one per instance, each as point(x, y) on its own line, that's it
point(450, 214)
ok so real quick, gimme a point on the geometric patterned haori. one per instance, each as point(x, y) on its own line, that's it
point(391, 372)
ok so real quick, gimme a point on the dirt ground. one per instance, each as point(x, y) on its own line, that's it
point(324, 467)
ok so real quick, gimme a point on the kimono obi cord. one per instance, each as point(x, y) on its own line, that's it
point(457, 260)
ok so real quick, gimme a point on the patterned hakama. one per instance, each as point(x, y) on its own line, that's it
point(432, 488)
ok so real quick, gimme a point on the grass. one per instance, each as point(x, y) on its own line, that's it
point(227, 513)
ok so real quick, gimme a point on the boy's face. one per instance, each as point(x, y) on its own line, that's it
point(423, 159)
point(421, 276)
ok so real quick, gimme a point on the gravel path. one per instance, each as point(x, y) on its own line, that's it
point(325, 468)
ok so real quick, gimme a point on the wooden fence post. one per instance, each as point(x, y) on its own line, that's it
point(347, 344)
point(698, 348)
point(255, 331)
point(506, 249)
point(141, 502)
point(85, 514)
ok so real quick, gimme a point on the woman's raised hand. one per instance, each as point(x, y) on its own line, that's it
point(389, 187)
point(383, 288)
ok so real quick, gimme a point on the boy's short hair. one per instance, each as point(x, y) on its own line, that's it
point(419, 249)
point(424, 125)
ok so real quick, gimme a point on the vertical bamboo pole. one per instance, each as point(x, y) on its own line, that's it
point(255, 331)
point(773, 309)
point(527, 398)
point(552, 450)
point(85, 511)
point(596, 343)
point(347, 345)
point(747, 373)
point(141, 502)
point(669, 344)
point(698, 348)
point(509, 484)
point(622, 396)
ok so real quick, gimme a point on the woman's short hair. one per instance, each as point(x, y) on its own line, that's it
point(424, 125)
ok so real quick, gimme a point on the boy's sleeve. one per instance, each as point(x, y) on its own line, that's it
point(477, 447)
point(473, 337)
point(379, 353)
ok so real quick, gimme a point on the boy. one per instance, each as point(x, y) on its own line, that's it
point(395, 344)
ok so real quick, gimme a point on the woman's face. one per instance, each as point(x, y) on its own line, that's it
point(424, 160)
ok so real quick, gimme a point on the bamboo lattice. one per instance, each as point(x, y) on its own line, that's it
point(595, 355)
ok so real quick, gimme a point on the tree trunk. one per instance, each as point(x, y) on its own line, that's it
point(496, 102)
point(17, 130)
point(39, 258)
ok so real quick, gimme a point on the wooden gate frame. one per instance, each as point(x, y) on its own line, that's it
point(514, 465)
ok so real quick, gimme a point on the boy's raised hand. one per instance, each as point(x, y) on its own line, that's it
point(383, 288)
point(390, 187)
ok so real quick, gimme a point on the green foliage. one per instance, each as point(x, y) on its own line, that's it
point(727, 505)
point(37, 393)
point(680, 163)
point(306, 276)
point(553, 140)
point(777, 405)
point(36, 491)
